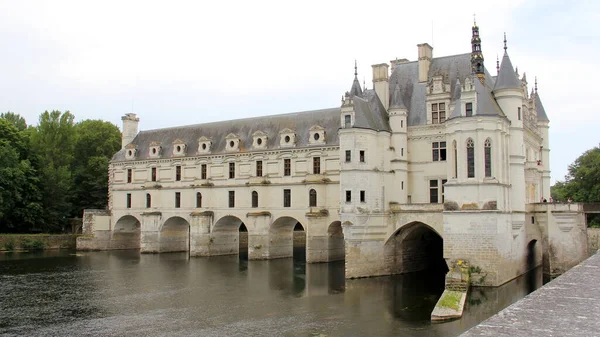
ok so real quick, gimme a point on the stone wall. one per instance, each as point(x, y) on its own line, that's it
point(50, 241)
point(593, 240)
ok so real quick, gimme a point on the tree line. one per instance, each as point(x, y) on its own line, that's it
point(50, 172)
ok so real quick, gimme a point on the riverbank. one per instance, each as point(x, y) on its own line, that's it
point(16, 242)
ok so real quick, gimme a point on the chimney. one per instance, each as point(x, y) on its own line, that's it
point(130, 128)
point(396, 62)
point(381, 83)
point(425, 56)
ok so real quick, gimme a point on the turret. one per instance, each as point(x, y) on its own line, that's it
point(399, 142)
point(477, 67)
point(130, 128)
point(543, 127)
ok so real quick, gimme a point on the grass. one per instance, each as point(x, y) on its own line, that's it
point(451, 299)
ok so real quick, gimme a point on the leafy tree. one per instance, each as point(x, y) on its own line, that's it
point(95, 143)
point(15, 119)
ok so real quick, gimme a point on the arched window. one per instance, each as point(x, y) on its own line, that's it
point(312, 198)
point(488, 157)
point(198, 200)
point(148, 200)
point(470, 158)
point(455, 159)
point(254, 199)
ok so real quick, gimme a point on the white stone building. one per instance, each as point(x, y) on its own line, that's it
point(439, 159)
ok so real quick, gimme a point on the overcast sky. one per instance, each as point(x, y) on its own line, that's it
point(186, 62)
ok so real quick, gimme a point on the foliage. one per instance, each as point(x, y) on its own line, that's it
point(32, 244)
point(10, 245)
point(451, 299)
point(582, 183)
point(15, 119)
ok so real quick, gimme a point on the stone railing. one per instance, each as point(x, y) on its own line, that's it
point(416, 207)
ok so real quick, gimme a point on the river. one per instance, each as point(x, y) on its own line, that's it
point(124, 293)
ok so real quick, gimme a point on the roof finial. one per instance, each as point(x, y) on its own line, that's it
point(364, 84)
point(355, 71)
point(474, 20)
point(497, 65)
point(505, 42)
point(535, 85)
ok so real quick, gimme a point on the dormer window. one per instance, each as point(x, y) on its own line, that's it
point(130, 151)
point(233, 143)
point(438, 113)
point(317, 135)
point(204, 144)
point(347, 121)
point(469, 109)
point(287, 138)
point(179, 147)
point(259, 140)
point(155, 150)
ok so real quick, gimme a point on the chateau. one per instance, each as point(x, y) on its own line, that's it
point(441, 160)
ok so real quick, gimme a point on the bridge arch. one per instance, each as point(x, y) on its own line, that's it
point(229, 236)
point(287, 238)
point(415, 247)
point(335, 242)
point(127, 223)
point(126, 233)
point(175, 235)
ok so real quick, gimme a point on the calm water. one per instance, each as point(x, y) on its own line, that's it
point(123, 293)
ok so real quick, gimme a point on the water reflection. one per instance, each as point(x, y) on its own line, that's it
point(125, 293)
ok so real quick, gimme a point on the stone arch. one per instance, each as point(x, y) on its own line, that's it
point(286, 237)
point(335, 242)
point(175, 235)
point(126, 233)
point(414, 247)
point(229, 236)
point(127, 223)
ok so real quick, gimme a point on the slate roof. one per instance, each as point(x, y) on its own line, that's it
point(370, 113)
point(507, 77)
point(300, 122)
point(541, 112)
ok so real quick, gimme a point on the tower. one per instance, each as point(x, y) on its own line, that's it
point(130, 128)
point(476, 54)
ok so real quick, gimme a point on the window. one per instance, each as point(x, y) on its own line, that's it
point(259, 168)
point(129, 174)
point(231, 199)
point(317, 165)
point(348, 196)
point(470, 158)
point(203, 171)
point(438, 113)
point(287, 167)
point(439, 151)
point(254, 199)
point(312, 198)
point(348, 156)
point(178, 173)
point(402, 152)
point(487, 153)
point(198, 200)
point(362, 156)
point(469, 109)
point(231, 170)
point(519, 113)
point(148, 200)
point(443, 182)
point(153, 174)
point(402, 185)
point(362, 196)
point(128, 200)
point(347, 121)
point(177, 199)
point(455, 159)
point(402, 123)
point(433, 191)
point(287, 198)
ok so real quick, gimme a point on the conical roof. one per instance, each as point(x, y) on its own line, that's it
point(397, 102)
point(507, 78)
point(541, 112)
point(356, 89)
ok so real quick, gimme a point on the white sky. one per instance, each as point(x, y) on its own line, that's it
point(186, 62)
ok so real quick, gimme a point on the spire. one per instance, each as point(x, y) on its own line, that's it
point(535, 86)
point(539, 107)
point(355, 67)
point(497, 65)
point(355, 90)
point(397, 102)
point(476, 54)
point(505, 42)
point(364, 84)
point(507, 77)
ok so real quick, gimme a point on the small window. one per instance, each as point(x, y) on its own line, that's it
point(231, 143)
point(148, 200)
point(402, 152)
point(438, 113)
point(128, 200)
point(401, 123)
point(363, 196)
point(519, 113)
point(254, 199)
point(287, 167)
point(312, 198)
point(177, 173)
point(259, 141)
point(153, 174)
point(231, 199)
point(203, 171)
point(488, 157)
point(259, 167)
point(287, 139)
point(433, 191)
point(316, 136)
point(348, 196)
point(287, 198)
point(129, 175)
point(317, 165)
point(347, 121)
point(198, 200)
point(362, 156)
point(177, 199)
point(470, 158)
point(348, 156)
point(443, 189)
point(469, 109)
point(203, 146)
point(231, 170)
point(402, 185)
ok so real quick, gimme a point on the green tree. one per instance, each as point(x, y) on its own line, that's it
point(52, 141)
point(15, 119)
point(96, 142)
